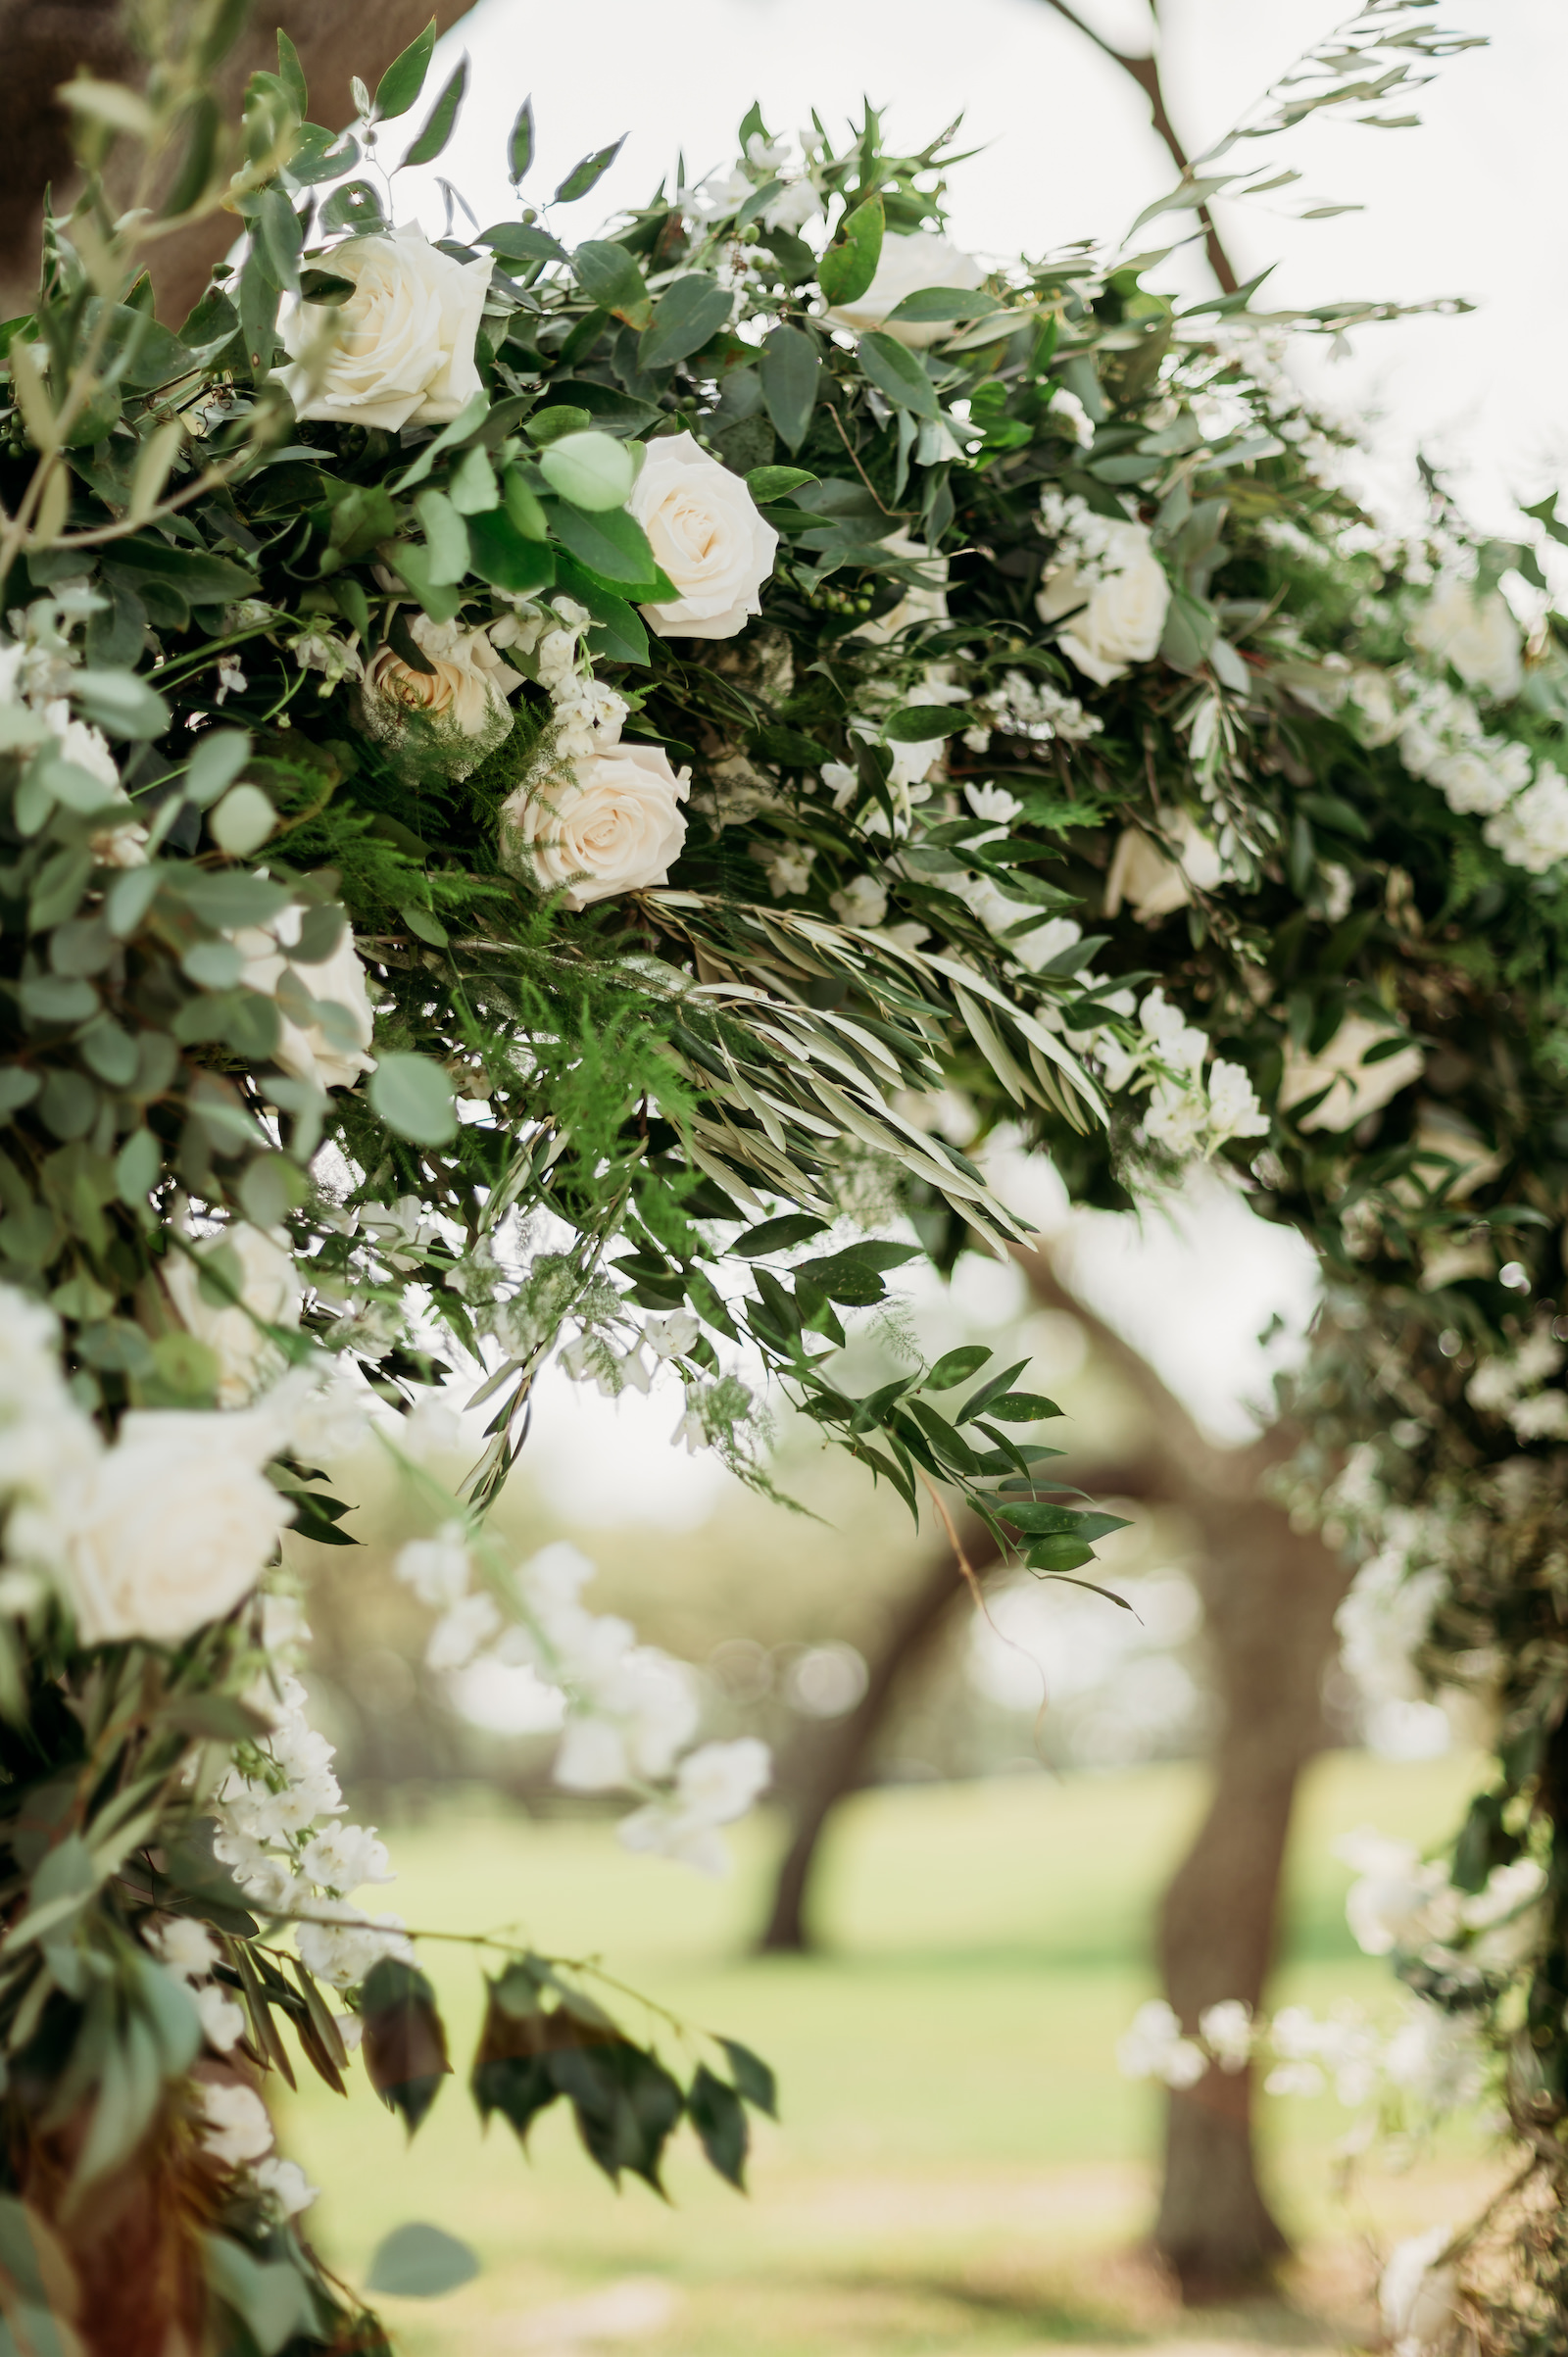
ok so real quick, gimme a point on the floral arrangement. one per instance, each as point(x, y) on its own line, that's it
point(550, 790)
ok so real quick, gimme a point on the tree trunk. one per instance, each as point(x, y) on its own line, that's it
point(829, 1761)
point(1269, 1596)
point(45, 41)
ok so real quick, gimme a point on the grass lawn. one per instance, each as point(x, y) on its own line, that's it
point(959, 2165)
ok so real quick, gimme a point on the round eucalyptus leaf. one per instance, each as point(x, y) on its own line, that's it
point(413, 1098)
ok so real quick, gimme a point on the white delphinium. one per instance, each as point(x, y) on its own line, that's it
point(714, 1786)
point(1183, 1114)
point(787, 865)
point(997, 807)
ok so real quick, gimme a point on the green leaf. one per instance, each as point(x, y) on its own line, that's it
point(400, 86)
point(688, 315)
point(520, 144)
point(922, 723)
point(440, 119)
point(610, 278)
point(321, 155)
point(1020, 1407)
point(955, 1366)
point(777, 1235)
point(620, 635)
point(928, 304)
point(356, 206)
point(276, 238)
point(1062, 1555)
point(767, 484)
point(291, 74)
point(270, 2296)
point(789, 370)
point(849, 266)
point(419, 2262)
point(753, 2076)
point(613, 545)
point(122, 704)
point(719, 2119)
point(521, 241)
point(587, 173)
point(413, 1098)
point(504, 556)
point(897, 372)
point(325, 288)
point(445, 537)
point(404, 2043)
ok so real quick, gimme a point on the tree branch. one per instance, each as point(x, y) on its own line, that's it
point(1145, 71)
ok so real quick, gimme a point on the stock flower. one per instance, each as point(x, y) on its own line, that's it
point(1478, 635)
point(705, 533)
point(1114, 590)
point(399, 350)
point(612, 824)
point(457, 709)
point(332, 1049)
point(269, 1290)
point(906, 266)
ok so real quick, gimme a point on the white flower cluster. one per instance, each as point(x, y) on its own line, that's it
point(1524, 803)
point(594, 1359)
point(630, 1710)
point(35, 678)
point(914, 768)
point(587, 717)
point(1509, 1386)
point(277, 1834)
point(1387, 1610)
point(1185, 1114)
point(239, 2133)
point(188, 1949)
point(1033, 709)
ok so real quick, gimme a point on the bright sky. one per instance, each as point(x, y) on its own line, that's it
point(1467, 204)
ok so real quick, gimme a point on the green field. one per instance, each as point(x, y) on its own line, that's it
point(959, 2165)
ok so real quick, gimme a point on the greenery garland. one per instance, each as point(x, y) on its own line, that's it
point(635, 759)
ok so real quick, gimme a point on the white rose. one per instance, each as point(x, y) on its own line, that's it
point(269, 1288)
point(399, 349)
point(1354, 1087)
point(705, 531)
point(1416, 2294)
point(611, 824)
point(1478, 636)
point(331, 1051)
point(908, 264)
point(457, 710)
point(1152, 884)
point(1118, 619)
point(172, 1526)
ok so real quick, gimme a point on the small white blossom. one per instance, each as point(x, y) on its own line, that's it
point(237, 2127)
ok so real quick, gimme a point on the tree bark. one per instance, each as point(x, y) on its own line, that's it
point(45, 41)
point(1269, 1595)
point(829, 1761)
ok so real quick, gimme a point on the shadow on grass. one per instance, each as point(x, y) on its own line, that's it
point(1061, 2312)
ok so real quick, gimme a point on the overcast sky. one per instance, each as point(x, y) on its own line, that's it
point(1469, 204)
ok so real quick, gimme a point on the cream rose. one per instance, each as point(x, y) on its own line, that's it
point(332, 1049)
point(267, 1288)
point(1152, 884)
point(702, 525)
point(455, 712)
point(1117, 600)
point(399, 350)
point(172, 1527)
point(1354, 1087)
point(907, 267)
point(611, 824)
point(1478, 636)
